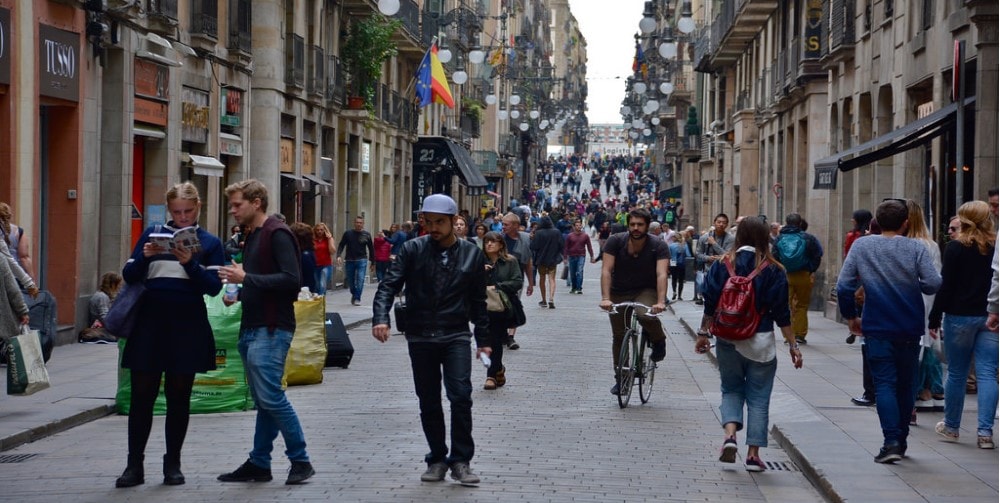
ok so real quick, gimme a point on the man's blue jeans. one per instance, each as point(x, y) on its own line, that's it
point(964, 337)
point(355, 272)
point(452, 361)
point(263, 354)
point(745, 381)
point(894, 370)
point(576, 271)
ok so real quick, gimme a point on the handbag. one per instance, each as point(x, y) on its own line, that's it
point(496, 301)
point(26, 373)
point(399, 312)
point(120, 320)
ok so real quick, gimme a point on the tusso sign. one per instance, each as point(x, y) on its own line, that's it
point(58, 63)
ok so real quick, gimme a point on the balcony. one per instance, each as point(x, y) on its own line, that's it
point(336, 82)
point(408, 39)
point(737, 24)
point(470, 125)
point(295, 60)
point(487, 162)
point(842, 35)
point(316, 85)
point(204, 19)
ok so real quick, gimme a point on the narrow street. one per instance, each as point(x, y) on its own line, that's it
point(553, 433)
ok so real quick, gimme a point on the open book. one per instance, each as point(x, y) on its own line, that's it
point(182, 238)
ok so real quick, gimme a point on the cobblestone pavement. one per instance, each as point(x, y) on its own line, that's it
point(554, 433)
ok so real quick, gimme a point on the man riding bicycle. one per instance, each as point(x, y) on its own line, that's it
point(635, 270)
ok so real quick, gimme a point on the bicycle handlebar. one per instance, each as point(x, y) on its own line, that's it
point(614, 308)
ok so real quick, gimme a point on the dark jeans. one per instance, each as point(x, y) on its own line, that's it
point(427, 360)
point(498, 338)
point(380, 269)
point(894, 369)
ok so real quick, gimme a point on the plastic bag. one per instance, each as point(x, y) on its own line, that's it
point(307, 354)
point(224, 389)
point(26, 373)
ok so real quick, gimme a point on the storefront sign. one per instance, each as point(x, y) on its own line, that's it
point(287, 155)
point(194, 115)
point(4, 46)
point(153, 112)
point(814, 29)
point(308, 160)
point(232, 100)
point(825, 178)
point(366, 157)
point(151, 80)
point(58, 63)
point(230, 145)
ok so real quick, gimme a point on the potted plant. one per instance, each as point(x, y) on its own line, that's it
point(369, 45)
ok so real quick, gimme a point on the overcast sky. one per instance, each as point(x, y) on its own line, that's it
point(608, 27)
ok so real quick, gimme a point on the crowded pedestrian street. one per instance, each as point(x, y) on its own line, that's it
point(553, 433)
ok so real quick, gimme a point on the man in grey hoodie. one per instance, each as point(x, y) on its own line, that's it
point(547, 252)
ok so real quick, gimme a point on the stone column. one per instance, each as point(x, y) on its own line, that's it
point(986, 17)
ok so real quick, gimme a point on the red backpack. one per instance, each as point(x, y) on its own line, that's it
point(736, 316)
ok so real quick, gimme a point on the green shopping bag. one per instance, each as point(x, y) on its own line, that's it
point(224, 389)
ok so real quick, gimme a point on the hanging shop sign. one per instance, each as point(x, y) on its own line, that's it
point(58, 63)
point(232, 100)
point(194, 115)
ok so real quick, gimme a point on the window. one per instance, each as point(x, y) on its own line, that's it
point(239, 25)
point(927, 14)
point(205, 18)
point(164, 8)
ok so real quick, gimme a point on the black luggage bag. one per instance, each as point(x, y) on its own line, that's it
point(339, 349)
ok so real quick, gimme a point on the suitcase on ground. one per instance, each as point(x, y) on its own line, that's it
point(42, 317)
point(339, 349)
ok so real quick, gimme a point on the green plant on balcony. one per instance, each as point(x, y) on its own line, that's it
point(369, 45)
point(472, 108)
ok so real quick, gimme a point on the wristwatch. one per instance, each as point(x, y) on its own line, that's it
point(704, 334)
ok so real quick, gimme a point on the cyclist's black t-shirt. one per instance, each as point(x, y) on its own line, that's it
point(634, 274)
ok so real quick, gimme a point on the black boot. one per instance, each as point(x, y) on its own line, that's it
point(133, 474)
point(172, 475)
point(680, 292)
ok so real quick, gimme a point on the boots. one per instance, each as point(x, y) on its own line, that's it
point(172, 475)
point(133, 474)
point(680, 292)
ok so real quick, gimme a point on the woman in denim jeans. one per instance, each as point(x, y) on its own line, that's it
point(747, 367)
point(966, 276)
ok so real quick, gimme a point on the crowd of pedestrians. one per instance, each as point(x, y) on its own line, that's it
point(464, 276)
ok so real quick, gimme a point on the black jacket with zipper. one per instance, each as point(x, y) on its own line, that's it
point(431, 311)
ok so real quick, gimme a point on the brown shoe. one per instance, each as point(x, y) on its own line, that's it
point(490, 384)
point(501, 377)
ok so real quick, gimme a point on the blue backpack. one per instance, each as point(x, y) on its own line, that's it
point(791, 251)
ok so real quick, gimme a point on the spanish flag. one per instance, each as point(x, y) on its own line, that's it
point(432, 84)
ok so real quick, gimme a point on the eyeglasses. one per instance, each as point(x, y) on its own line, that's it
point(952, 229)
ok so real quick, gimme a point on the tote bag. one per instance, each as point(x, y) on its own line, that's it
point(26, 373)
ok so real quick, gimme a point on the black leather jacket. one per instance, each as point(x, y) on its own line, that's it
point(430, 311)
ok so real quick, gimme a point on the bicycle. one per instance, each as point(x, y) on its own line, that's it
point(634, 357)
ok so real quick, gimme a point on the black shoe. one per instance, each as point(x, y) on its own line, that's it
point(699, 301)
point(132, 476)
point(300, 471)
point(889, 454)
point(247, 472)
point(851, 338)
point(615, 390)
point(512, 344)
point(800, 340)
point(659, 351)
point(863, 401)
point(172, 475)
point(552, 305)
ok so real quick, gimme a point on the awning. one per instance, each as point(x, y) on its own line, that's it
point(900, 140)
point(672, 192)
point(206, 166)
point(436, 152)
point(149, 132)
point(317, 180)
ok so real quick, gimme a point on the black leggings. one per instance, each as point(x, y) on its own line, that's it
point(677, 280)
point(145, 388)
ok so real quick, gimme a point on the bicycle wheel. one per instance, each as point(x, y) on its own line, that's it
point(648, 370)
point(627, 359)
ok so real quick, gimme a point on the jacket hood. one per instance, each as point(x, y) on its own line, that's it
point(545, 222)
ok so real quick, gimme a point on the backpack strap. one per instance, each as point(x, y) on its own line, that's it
point(761, 267)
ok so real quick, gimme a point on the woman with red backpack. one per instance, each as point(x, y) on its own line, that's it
point(747, 360)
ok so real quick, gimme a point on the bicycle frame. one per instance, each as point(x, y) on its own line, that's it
point(634, 363)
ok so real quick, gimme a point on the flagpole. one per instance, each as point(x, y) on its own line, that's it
point(413, 80)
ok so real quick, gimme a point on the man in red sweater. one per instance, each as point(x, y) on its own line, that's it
point(577, 246)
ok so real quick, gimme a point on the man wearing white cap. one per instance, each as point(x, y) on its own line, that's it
point(445, 281)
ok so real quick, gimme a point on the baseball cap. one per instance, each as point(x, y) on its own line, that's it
point(439, 203)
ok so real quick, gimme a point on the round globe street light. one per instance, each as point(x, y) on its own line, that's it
point(491, 99)
point(655, 121)
point(685, 24)
point(515, 99)
point(647, 25)
point(444, 55)
point(639, 87)
point(460, 77)
point(514, 114)
point(666, 87)
point(477, 56)
point(502, 115)
point(533, 114)
point(388, 7)
point(523, 126)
